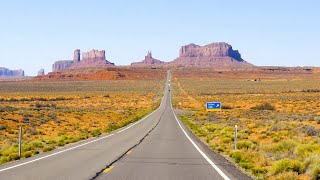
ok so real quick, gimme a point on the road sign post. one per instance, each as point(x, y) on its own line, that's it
point(213, 107)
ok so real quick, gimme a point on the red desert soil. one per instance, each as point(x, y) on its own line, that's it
point(106, 73)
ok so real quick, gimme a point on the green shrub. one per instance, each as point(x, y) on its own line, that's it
point(259, 170)
point(27, 154)
point(111, 127)
point(51, 141)
point(304, 150)
point(287, 176)
point(37, 144)
point(239, 158)
point(14, 156)
point(316, 173)
point(61, 143)
point(4, 159)
point(244, 144)
point(47, 148)
point(287, 165)
point(96, 132)
point(34, 152)
point(242, 135)
point(283, 149)
point(264, 106)
point(246, 165)
point(213, 127)
point(276, 139)
point(226, 107)
point(26, 147)
point(83, 137)
point(75, 139)
point(9, 150)
point(312, 164)
point(226, 140)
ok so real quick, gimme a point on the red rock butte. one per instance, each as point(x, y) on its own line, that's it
point(211, 55)
point(148, 61)
point(218, 54)
point(93, 58)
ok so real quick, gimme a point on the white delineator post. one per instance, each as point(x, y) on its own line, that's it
point(235, 137)
point(20, 141)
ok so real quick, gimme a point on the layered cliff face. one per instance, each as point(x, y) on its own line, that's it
point(148, 61)
point(94, 58)
point(214, 54)
point(5, 72)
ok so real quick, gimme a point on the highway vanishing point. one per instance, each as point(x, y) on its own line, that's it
point(159, 146)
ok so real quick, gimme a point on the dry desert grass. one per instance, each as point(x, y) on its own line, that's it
point(278, 119)
point(55, 113)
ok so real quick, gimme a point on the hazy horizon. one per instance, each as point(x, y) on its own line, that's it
point(35, 34)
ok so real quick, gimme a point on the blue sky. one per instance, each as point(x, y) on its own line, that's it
point(34, 34)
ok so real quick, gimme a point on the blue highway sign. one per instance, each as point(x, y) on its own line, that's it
point(213, 106)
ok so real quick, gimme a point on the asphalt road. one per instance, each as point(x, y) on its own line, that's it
point(158, 146)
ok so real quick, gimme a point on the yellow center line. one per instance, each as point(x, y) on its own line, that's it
point(129, 152)
point(107, 169)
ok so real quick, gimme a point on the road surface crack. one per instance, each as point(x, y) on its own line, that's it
point(140, 141)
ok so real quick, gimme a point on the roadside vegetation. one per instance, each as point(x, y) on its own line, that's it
point(278, 122)
point(54, 114)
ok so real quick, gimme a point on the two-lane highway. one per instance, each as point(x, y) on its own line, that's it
point(157, 147)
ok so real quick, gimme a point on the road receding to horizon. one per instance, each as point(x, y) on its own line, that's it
point(158, 146)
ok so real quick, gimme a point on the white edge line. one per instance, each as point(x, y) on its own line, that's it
point(141, 119)
point(137, 122)
point(55, 153)
point(28, 162)
point(202, 153)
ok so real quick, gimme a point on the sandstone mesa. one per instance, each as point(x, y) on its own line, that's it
point(93, 58)
point(212, 55)
point(219, 54)
point(5, 72)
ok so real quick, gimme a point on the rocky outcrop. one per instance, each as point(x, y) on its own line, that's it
point(5, 72)
point(148, 61)
point(94, 55)
point(41, 72)
point(94, 58)
point(214, 54)
point(61, 65)
point(76, 55)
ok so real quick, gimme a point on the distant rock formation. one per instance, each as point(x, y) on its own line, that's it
point(5, 72)
point(148, 61)
point(211, 55)
point(94, 58)
point(106, 73)
point(76, 55)
point(61, 65)
point(41, 72)
point(94, 55)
